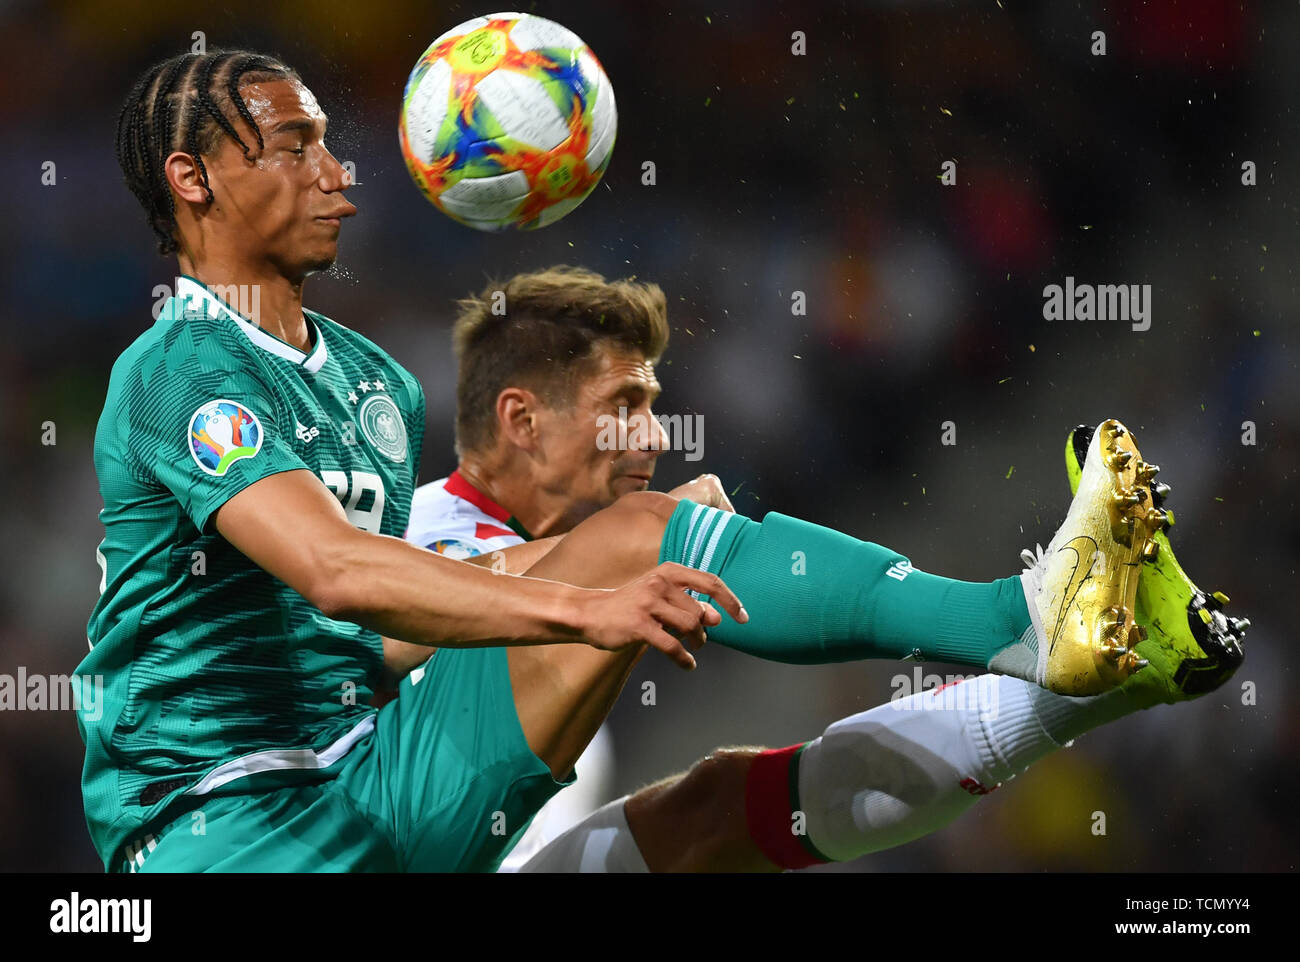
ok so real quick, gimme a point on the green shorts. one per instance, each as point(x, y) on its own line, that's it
point(445, 783)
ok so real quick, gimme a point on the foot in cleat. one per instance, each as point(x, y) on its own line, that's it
point(1082, 590)
point(1192, 647)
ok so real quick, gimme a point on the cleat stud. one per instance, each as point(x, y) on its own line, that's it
point(1205, 615)
point(1159, 491)
point(1156, 519)
point(1239, 624)
point(1145, 472)
point(1220, 597)
point(1141, 663)
point(1126, 498)
point(1136, 634)
point(1151, 551)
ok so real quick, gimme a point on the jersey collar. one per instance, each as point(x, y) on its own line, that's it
point(458, 487)
point(195, 295)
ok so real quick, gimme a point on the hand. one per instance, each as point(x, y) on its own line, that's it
point(706, 490)
point(655, 610)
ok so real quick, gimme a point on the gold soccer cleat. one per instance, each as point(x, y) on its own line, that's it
point(1082, 589)
point(1193, 646)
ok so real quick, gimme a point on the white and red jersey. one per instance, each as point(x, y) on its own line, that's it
point(454, 518)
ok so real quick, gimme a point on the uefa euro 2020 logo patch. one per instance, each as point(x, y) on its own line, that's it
point(222, 432)
point(457, 550)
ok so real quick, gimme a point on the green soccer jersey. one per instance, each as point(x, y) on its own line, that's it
point(219, 678)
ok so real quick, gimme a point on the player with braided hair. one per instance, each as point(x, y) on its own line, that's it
point(174, 103)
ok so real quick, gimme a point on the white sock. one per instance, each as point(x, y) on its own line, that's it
point(601, 842)
point(909, 767)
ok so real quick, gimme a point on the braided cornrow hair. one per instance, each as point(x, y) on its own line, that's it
point(183, 104)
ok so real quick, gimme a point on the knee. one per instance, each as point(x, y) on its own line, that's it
point(647, 507)
point(639, 519)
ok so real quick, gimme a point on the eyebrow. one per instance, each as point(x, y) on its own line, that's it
point(639, 387)
point(296, 123)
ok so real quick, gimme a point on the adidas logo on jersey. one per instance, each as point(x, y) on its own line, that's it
point(305, 433)
point(900, 570)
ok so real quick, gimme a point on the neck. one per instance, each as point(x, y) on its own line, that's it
point(541, 513)
point(265, 297)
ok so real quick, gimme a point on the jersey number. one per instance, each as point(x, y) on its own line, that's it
point(367, 519)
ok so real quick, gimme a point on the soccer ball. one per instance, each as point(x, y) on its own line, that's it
point(508, 121)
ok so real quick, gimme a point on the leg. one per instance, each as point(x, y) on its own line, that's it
point(844, 609)
point(872, 781)
point(817, 595)
point(690, 822)
point(564, 692)
point(695, 822)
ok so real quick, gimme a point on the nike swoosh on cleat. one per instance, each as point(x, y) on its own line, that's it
point(1074, 584)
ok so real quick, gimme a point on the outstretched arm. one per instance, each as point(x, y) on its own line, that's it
point(290, 525)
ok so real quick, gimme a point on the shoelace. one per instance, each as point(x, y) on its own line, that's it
point(1032, 557)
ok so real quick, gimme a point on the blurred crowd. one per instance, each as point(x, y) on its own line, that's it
point(775, 173)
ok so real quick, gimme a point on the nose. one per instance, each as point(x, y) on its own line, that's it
point(660, 442)
point(336, 175)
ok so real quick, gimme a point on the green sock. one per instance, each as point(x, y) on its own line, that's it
point(816, 595)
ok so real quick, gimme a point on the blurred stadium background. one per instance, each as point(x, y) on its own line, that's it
point(775, 173)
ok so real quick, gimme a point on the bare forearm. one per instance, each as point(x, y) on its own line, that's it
point(292, 526)
point(418, 596)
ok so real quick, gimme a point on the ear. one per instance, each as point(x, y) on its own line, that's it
point(517, 411)
point(183, 176)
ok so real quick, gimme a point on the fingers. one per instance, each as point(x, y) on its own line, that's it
point(706, 584)
point(682, 616)
point(717, 494)
point(678, 619)
point(695, 639)
point(707, 490)
point(661, 594)
point(671, 647)
point(684, 623)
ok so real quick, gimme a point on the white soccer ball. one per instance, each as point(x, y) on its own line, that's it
point(508, 122)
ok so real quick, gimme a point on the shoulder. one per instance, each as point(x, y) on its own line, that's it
point(436, 515)
point(175, 372)
point(180, 358)
point(452, 525)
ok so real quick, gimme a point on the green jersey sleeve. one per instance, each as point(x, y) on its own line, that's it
point(205, 432)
